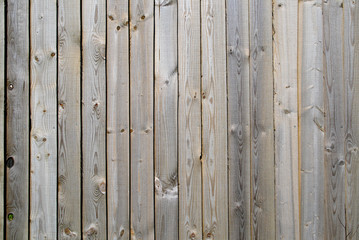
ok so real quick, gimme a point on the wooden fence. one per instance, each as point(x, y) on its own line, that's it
point(179, 119)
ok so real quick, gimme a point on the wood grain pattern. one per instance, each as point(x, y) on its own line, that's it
point(43, 106)
point(69, 120)
point(214, 120)
point(311, 116)
point(286, 118)
point(141, 115)
point(351, 77)
point(2, 114)
point(17, 118)
point(94, 119)
point(262, 132)
point(166, 81)
point(238, 119)
point(189, 120)
point(334, 159)
point(118, 96)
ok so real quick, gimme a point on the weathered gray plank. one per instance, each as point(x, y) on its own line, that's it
point(311, 117)
point(238, 119)
point(189, 120)
point(286, 118)
point(141, 115)
point(118, 172)
point(43, 105)
point(214, 120)
point(262, 142)
point(69, 120)
point(351, 77)
point(166, 183)
point(2, 113)
point(94, 119)
point(334, 159)
point(17, 119)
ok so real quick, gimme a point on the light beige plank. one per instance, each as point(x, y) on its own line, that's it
point(94, 119)
point(214, 120)
point(238, 119)
point(351, 77)
point(69, 120)
point(141, 115)
point(286, 118)
point(17, 119)
point(166, 183)
point(311, 117)
point(2, 114)
point(262, 132)
point(189, 120)
point(43, 105)
point(118, 172)
point(334, 159)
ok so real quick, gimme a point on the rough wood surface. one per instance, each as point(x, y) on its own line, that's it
point(351, 77)
point(43, 106)
point(214, 120)
point(189, 120)
point(166, 81)
point(334, 159)
point(17, 118)
point(238, 119)
point(286, 118)
point(69, 120)
point(118, 96)
point(2, 114)
point(311, 117)
point(94, 119)
point(262, 132)
point(141, 115)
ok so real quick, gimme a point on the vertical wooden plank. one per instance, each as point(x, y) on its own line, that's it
point(286, 118)
point(262, 139)
point(334, 162)
point(311, 117)
point(2, 113)
point(94, 119)
point(141, 115)
point(17, 119)
point(166, 183)
point(214, 120)
point(118, 168)
point(238, 119)
point(351, 64)
point(43, 105)
point(189, 120)
point(69, 120)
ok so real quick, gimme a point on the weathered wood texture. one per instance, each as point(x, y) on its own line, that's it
point(179, 119)
point(69, 120)
point(43, 109)
point(165, 113)
point(94, 119)
point(334, 158)
point(189, 120)
point(262, 132)
point(351, 85)
point(118, 97)
point(238, 119)
point(311, 117)
point(17, 119)
point(214, 120)
point(2, 114)
point(286, 118)
point(141, 118)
